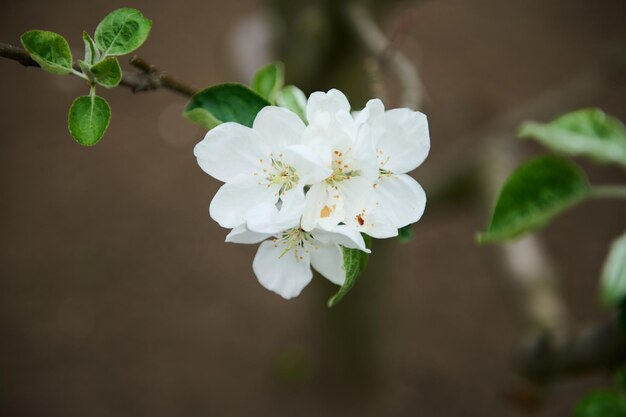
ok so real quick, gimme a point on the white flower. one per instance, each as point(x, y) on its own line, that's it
point(261, 166)
point(401, 140)
point(333, 134)
point(283, 264)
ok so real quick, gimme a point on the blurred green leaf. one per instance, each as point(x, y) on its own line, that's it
point(292, 98)
point(622, 316)
point(92, 54)
point(50, 50)
point(613, 279)
point(122, 31)
point(354, 262)
point(107, 72)
point(535, 193)
point(620, 377)
point(268, 80)
point(229, 102)
point(405, 234)
point(88, 119)
point(602, 404)
point(588, 132)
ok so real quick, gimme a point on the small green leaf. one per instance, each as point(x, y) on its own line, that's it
point(354, 262)
point(224, 103)
point(588, 132)
point(602, 404)
point(405, 234)
point(86, 69)
point(107, 72)
point(613, 279)
point(292, 98)
point(268, 80)
point(88, 119)
point(535, 193)
point(92, 54)
point(122, 31)
point(50, 50)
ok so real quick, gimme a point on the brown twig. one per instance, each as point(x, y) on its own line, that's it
point(147, 79)
point(375, 40)
point(602, 346)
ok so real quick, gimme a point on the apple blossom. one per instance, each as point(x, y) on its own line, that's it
point(260, 166)
point(283, 263)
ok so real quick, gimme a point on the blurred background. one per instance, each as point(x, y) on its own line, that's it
point(119, 297)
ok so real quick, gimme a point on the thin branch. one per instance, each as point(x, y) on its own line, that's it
point(375, 40)
point(147, 79)
point(602, 346)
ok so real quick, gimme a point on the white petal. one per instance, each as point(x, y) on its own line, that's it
point(400, 199)
point(241, 234)
point(324, 207)
point(279, 127)
point(373, 109)
point(308, 165)
point(381, 230)
point(328, 261)
point(230, 149)
point(343, 235)
point(285, 274)
point(358, 195)
point(236, 198)
point(401, 137)
point(268, 218)
point(322, 105)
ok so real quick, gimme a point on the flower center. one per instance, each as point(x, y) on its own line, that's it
point(283, 175)
point(342, 170)
point(296, 240)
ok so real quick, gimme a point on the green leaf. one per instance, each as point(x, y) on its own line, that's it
point(602, 404)
point(535, 193)
point(107, 72)
point(50, 50)
point(122, 31)
point(405, 234)
point(354, 262)
point(92, 54)
point(622, 316)
point(587, 132)
point(268, 80)
point(613, 279)
point(224, 103)
point(292, 98)
point(86, 69)
point(88, 119)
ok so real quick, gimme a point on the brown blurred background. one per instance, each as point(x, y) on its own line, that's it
point(118, 296)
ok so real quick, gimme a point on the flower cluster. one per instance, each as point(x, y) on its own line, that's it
point(306, 191)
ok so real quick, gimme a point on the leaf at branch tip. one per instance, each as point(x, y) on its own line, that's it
point(588, 132)
point(602, 404)
point(535, 193)
point(221, 103)
point(107, 72)
point(50, 50)
point(92, 54)
point(613, 278)
point(122, 31)
point(268, 80)
point(354, 262)
point(86, 69)
point(88, 119)
point(292, 98)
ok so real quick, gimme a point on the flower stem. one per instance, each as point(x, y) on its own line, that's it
point(608, 191)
